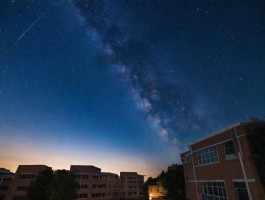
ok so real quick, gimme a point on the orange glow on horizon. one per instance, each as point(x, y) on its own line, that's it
point(13, 154)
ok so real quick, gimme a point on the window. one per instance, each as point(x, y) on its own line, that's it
point(214, 190)
point(241, 191)
point(122, 194)
point(82, 195)
point(98, 186)
point(81, 176)
point(22, 188)
point(98, 194)
point(4, 187)
point(208, 155)
point(7, 179)
point(26, 176)
point(229, 150)
point(82, 186)
point(188, 158)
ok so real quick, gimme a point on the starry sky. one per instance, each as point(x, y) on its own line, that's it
point(125, 85)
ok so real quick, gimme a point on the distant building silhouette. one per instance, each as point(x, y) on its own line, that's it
point(5, 180)
point(104, 185)
point(92, 183)
point(19, 185)
point(221, 166)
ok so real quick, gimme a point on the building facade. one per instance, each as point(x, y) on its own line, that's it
point(92, 183)
point(132, 185)
point(221, 166)
point(20, 183)
point(5, 180)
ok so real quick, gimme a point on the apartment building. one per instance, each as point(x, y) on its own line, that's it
point(132, 185)
point(94, 184)
point(5, 180)
point(20, 183)
point(156, 192)
point(221, 166)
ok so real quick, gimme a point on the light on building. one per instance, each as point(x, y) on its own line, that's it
point(150, 196)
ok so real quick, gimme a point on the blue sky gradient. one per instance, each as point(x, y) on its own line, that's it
point(125, 85)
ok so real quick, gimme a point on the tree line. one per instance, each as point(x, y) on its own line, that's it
point(53, 185)
point(61, 184)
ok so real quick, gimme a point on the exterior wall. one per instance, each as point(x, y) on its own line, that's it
point(108, 186)
point(6, 178)
point(189, 176)
point(93, 184)
point(132, 185)
point(156, 192)
point(227, 169)
point(23, 177)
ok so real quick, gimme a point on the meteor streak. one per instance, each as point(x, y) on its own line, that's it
point(29, 28)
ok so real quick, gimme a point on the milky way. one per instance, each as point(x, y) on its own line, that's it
point(169, 109)
point(131, 82)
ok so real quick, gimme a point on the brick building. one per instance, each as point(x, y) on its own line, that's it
point(19, 185)
point(92, 183)
point(132, 185)
point(221, 166)
point(5, 180)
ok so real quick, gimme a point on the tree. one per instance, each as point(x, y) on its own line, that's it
point(173, 181)
point(53, 185)
point(63, 186)
point(40, 188)
point(256, 140)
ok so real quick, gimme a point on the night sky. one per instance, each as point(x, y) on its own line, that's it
point(125, 85)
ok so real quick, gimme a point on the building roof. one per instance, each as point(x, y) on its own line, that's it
point(251, 120)
point(218, 132)
point(4, 171)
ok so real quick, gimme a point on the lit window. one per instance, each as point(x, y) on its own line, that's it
point(214, 190)
point(229, 149)
point(208, 155)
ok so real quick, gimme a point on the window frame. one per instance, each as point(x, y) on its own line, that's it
point(204, 155)
point(210, 187)
point(229, 156)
